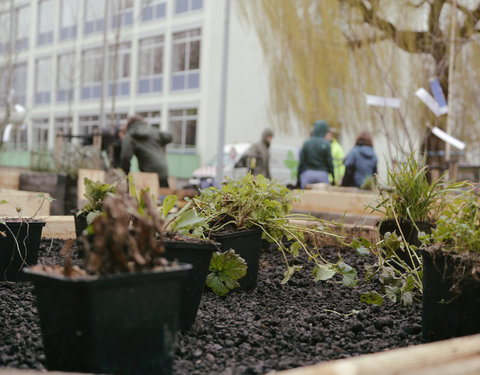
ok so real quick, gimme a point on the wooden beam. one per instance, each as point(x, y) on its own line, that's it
point(62, 227)
point(334, 201)
point(459, 356)
point(28, 201)
point(9, 180)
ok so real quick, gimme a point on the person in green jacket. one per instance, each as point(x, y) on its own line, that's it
point(148, 145)
point(316, 157)
point(337, 156)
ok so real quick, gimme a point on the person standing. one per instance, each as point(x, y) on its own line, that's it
point(258, 155)
point(148, 145)
point(361, 161)
point(316, 157)
point(337, 156)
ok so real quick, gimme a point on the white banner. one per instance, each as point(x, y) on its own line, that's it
point(381, 101)
point(448, 138)
point(430, 102)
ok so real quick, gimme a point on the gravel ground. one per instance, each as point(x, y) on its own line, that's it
point(273, 327)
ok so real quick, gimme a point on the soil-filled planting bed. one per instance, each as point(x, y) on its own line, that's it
point(274, 327)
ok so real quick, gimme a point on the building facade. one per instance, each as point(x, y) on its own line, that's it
point(163, 61)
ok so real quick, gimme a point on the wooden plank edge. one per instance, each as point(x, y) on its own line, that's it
point(457, 356)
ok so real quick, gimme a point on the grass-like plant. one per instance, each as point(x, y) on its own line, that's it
point(409, 196)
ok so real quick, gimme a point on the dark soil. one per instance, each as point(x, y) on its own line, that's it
point(273, 327)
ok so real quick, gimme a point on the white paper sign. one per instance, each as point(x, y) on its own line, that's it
point(448, 138)
point(430, 102)
point(381, 101)
point(6, 132)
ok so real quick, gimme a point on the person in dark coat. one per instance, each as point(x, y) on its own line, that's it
point(259, 155)
point(361, 161)
point(148, 145)
point(316, 157)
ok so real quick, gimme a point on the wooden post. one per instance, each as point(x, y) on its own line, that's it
point(59, 145)
point(97, 139)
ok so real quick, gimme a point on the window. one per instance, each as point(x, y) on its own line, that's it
point(19, 83)
point(63, 124)
point(150, 65)
point(183, 6)
point(92, 71)
point(68, 19)
point(65, 76)
point(4, 32)
point(119, 67)
point(122, 13)
point(45, 24)
point(22, 26)
point(186, 60)
point(40, 133)
point(153, 118)
point(94, 16)
point(18, 138)
point(183, 126)
point(43, 80)
point(88, 124)
point(153, 9)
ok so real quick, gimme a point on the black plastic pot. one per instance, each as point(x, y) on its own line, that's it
point(118, 324)
point(449, 313)
point(80, 223)
point(407, 227)
point(198, 254)
point(19, 247)
point(409, 231)
point(246, 243)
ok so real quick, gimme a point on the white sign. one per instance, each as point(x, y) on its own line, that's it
point(430, 102)
point(381, 101)
point(6, 132)
point(448, 138)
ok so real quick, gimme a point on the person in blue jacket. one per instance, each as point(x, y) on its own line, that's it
point(316, 157)
point(361, 162)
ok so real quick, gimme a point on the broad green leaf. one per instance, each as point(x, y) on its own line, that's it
point(372, 298)
point(294, 249)
point(225, 269)
point(362, 251)
point(168, 204)
point(187, 219)
point(322, 272)
point(3, 201)
point(289, 272)
point(392, 292)
point(406, 299)
point(349, 274)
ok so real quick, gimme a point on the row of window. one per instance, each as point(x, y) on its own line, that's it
point(120, 14)
point(185, 70)
point(182, 123)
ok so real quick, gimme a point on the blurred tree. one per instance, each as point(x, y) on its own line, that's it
point(324, 56)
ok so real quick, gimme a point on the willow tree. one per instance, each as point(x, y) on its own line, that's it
point(324, 56)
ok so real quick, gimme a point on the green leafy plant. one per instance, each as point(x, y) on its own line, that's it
point(257, 202)
point(458, 227)
point(95, 192)
point(225, 270)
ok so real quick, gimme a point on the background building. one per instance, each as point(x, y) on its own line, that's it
point(164, 63)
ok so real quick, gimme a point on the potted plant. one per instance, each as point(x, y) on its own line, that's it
point(410, 204)
point(184, 248)
point(19, 243)
point(451, 271)
point(243, 211)
point(118, 313)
